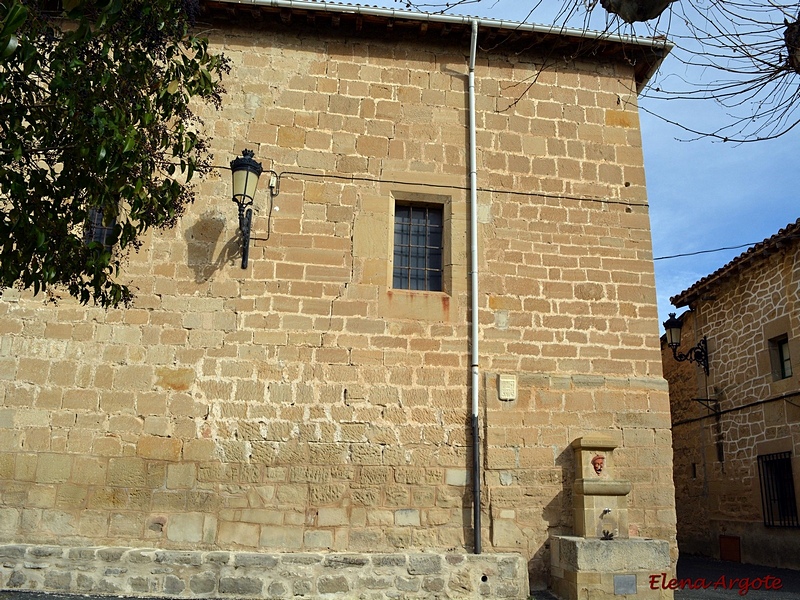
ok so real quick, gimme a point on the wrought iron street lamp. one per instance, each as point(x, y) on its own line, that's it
point(698, 354)
point(245, 171)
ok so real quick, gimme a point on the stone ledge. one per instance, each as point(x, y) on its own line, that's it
point(566, 382)
point(215, 574)
point(579, 554)
point(601, 487)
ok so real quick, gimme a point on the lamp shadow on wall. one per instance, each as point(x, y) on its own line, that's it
point(202, 240)
point(558, 513)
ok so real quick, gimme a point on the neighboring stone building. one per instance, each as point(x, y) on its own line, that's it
point(737, 453)
point(310, 407)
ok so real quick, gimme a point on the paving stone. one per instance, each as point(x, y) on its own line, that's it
point(255, 560)
point(82, 553)
point(433, 584)
point(84, 583)
point(110, 554)
point(240, 585)
point(377, 583)
point(301, 559)
point(44, 551)
point(204, 583)
point(12, 551)
point(332, 585)
point(507, 569)
point(343, 561)
point(173, 585)
point(461, 582)
point(389, 560)
point(277, 590)
point(142, 584)
point(220, 558)
point(407, 584)
point(104, 586)
point(302, 587)
point(179, 558)
point(141, 556)
point(424, 564)
point(507, 590)
point(17, 579)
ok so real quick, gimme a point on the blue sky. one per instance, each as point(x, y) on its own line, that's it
point(703, 194)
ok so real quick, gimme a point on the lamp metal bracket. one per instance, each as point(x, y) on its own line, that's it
point(713, 407)
point(698, 354)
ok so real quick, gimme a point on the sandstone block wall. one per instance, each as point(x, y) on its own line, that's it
point(718, 488)
point(302, 405)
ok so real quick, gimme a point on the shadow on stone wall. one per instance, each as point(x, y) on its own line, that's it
point(558, 514)
point(202, 240)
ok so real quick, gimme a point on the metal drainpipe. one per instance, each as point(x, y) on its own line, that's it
point(473, 252)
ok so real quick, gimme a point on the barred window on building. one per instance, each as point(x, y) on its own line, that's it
point(418, 236)
point(778, 499)
point(779, 357)
point(96, 230)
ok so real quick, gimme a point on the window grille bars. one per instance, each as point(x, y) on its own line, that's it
point(418, 233)
point(778, 499)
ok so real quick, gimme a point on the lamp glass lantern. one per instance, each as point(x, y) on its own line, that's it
point(245, 172)
point(672, 327)
point(697, 354)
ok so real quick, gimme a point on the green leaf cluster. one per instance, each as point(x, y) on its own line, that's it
point(96, 113)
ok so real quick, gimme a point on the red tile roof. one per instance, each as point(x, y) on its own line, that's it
point(787, 236)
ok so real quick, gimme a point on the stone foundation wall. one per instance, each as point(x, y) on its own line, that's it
point(150, 572)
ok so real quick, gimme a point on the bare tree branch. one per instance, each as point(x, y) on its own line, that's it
point(742, 54)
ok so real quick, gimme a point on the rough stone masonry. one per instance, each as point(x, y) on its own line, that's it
point(150, 572)
point(304, 405)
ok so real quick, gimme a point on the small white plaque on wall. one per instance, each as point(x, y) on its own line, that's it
point(507, 387)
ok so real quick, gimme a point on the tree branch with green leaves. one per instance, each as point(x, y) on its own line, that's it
point(96, 117)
